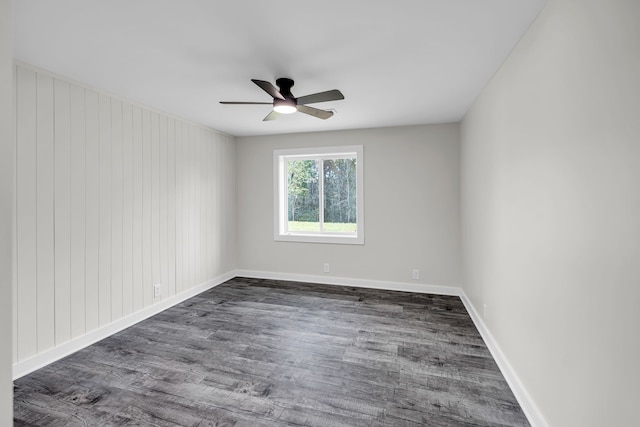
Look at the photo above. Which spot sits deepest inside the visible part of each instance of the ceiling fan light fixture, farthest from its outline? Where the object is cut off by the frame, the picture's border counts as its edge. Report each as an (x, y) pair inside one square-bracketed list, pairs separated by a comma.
[(284, 106), (285, 103)]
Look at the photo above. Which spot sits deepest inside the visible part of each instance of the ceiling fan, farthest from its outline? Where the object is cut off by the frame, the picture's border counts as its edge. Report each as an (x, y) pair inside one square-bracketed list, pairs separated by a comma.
[(285, 103)]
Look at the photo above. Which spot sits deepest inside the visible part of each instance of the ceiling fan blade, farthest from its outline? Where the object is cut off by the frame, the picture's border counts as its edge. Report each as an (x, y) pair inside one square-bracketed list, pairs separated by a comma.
[(271, 116), (269, 88), (330, 95), (321, 114), (245, 103)]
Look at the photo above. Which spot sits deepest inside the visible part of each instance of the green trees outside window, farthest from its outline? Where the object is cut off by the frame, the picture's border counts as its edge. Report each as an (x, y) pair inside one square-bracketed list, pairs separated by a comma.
[(322, 185)]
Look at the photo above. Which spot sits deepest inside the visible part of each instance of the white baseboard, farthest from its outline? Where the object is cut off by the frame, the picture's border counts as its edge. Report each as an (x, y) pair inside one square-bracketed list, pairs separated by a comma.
[(40, 360), (357, 283), (527, 404)]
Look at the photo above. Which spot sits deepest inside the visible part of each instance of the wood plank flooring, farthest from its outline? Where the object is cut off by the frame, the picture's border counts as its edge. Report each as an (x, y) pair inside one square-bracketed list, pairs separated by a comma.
[(256, 352)]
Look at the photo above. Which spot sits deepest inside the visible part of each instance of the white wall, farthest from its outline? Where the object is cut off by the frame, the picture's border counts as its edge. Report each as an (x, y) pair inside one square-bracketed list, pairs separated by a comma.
[(551, 211), (112, 198), (411, 207), (6, 210)]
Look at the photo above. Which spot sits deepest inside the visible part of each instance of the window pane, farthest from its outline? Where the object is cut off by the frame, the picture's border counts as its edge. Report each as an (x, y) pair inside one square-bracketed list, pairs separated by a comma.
[(303, 199), (300, 214), (340, 210)]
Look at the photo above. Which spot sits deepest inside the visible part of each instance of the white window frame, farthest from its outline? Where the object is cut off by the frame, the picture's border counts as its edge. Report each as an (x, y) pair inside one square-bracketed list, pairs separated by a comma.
[(281, 200)]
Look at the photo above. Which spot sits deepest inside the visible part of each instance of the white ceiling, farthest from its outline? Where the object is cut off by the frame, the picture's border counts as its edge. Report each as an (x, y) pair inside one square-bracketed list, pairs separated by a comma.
[(400, 62)]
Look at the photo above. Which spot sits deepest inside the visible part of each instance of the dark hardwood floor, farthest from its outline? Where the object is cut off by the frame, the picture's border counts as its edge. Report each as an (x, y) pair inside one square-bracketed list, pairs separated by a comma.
[(271, 353)]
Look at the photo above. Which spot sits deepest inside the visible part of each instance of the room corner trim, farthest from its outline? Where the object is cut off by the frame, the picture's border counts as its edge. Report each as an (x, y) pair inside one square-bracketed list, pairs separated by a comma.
[(533, 414), (40, 360)]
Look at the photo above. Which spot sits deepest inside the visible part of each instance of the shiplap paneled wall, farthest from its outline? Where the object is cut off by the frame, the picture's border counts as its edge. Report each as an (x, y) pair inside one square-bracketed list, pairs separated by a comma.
[(111, 198)]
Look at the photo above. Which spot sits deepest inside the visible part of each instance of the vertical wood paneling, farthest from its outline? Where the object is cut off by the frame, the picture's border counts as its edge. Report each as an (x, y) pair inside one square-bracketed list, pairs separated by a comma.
[(179, 208), (193, 164), (45, 209), (215, 233), (221, 197), (187, 255), (206, 191), (127, 209), (8, 269), (137, 210), (116, 209), (200, 260), (185, 207), (14, 243), (26, 216), (163, 217), (171, 203), (221, 187), (110, 199), (203, 205), (155, 198), (196, 205), (77, 211), (230, 233), (147, 267), (193, 213), (230, 210), (210, 204), (105, 210), (62, 212), (187, 211), (188, 168), (92, 221), (207, 195)]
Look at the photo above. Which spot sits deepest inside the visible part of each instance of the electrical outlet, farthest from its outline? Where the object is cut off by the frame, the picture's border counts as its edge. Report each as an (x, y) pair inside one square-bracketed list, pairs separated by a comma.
[(157, 290), (415, 275), (326, 267)]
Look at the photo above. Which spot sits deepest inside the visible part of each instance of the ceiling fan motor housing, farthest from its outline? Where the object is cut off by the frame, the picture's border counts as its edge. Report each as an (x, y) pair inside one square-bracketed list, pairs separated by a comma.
[(285, 85)]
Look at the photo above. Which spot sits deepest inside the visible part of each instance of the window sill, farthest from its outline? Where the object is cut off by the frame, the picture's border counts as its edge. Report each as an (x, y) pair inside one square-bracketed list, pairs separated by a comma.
[(325, 238)]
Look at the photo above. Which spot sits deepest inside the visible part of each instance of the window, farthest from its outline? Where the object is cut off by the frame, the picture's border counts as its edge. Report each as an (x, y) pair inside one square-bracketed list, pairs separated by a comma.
[(318, 195)]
